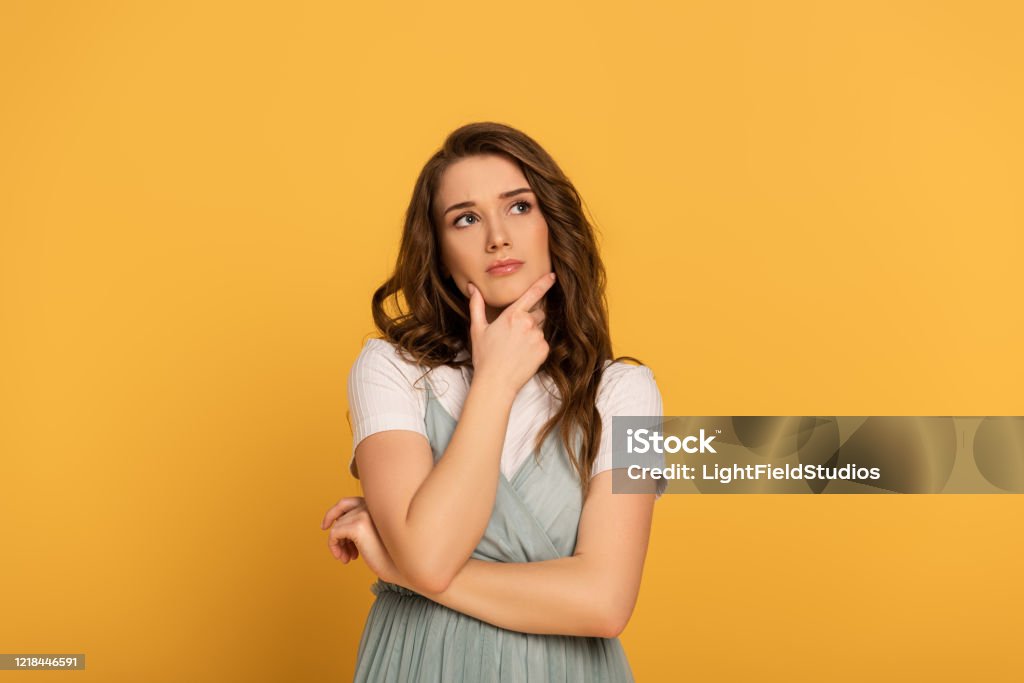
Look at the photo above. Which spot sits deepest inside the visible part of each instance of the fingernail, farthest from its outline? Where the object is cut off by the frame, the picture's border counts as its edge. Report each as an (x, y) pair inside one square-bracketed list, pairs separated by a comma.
[(471, 288), (552, 276)]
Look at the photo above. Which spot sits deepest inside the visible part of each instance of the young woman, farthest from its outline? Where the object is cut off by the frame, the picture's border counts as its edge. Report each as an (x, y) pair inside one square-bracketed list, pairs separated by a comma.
[(482, 434)]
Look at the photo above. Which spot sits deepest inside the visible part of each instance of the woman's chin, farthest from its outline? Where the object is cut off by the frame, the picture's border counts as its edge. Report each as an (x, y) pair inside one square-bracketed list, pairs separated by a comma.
[(507, 289), (500, 297), (500, 303)]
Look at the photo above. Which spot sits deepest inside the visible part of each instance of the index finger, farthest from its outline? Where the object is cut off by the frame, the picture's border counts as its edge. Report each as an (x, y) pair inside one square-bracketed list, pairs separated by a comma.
[(340, 508), (477, 310), (534, 294)]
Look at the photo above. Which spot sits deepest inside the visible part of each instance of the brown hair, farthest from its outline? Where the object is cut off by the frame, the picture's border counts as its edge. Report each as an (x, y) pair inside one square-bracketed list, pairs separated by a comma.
[(434, 327)]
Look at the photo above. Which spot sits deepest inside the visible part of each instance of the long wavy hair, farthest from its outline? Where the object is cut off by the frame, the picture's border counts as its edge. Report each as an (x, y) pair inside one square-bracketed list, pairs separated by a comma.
[(430, 317)]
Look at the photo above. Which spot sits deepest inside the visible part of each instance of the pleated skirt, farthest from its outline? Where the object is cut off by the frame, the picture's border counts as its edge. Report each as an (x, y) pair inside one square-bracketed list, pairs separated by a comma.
[(411, 639)]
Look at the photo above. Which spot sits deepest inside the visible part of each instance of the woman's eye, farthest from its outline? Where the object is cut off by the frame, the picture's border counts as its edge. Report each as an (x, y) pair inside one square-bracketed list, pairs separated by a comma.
[(527, 206)]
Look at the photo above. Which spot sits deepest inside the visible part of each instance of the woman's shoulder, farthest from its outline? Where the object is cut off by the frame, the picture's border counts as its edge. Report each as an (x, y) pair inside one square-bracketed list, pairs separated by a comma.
[(615, 371), (380, 356), (378, 348), (384, 356), (622, 383)]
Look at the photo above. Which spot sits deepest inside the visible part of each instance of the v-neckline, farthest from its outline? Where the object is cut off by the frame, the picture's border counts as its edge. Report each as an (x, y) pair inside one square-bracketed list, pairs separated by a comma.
[(509, 481)]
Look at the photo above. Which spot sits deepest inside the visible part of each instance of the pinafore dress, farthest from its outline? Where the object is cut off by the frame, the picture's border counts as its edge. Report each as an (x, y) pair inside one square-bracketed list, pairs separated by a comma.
[(411, 639)]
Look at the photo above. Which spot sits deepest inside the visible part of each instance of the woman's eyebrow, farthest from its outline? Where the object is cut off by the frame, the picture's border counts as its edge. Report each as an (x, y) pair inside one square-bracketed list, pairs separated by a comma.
[(503, 195)]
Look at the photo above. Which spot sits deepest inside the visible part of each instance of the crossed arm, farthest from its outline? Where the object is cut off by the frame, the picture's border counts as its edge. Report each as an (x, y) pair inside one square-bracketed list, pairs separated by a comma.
[(591, 593)]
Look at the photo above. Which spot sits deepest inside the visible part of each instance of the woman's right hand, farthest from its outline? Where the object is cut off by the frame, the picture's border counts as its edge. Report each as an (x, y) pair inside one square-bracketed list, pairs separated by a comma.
[(511, 349)]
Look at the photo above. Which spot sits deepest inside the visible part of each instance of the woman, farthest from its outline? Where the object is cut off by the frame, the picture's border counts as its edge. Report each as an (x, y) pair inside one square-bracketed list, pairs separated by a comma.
[(501, 552)]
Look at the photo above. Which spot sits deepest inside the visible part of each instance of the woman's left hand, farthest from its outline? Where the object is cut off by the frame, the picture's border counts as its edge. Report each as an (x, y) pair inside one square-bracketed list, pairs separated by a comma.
[(352, 533)]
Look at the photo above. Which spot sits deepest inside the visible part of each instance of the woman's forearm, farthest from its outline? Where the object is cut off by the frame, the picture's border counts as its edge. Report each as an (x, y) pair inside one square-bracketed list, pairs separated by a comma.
[(566, 596), (451, 508)]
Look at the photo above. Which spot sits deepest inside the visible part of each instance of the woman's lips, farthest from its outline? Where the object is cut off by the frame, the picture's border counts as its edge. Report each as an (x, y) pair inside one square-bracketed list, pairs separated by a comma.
[(505, 270)]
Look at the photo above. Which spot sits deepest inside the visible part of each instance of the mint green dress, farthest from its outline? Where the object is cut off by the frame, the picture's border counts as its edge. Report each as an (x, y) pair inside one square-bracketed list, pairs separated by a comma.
[(411, 639)]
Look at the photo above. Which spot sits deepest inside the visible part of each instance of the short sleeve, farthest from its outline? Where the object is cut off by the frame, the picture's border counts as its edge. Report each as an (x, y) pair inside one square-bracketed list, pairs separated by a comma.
[(382, 394), (626, 390)]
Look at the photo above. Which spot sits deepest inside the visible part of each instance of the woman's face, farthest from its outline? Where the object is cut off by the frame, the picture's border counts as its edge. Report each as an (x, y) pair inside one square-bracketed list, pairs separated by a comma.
[(486, 212)]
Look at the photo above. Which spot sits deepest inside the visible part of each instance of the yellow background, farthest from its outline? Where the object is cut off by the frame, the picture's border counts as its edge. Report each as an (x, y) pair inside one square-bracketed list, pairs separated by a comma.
[(806, 208)]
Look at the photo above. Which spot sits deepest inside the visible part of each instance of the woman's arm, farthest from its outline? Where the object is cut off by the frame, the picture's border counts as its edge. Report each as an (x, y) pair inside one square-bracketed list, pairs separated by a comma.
[(431, 517), (427, 528), (591, 593)]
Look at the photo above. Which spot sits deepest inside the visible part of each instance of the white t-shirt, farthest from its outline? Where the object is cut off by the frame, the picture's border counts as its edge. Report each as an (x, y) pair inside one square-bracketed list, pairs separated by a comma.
[(385, 392)]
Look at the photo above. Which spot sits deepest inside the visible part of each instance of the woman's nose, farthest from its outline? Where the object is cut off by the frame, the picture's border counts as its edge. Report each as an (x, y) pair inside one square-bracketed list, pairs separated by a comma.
[(497, 236)]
